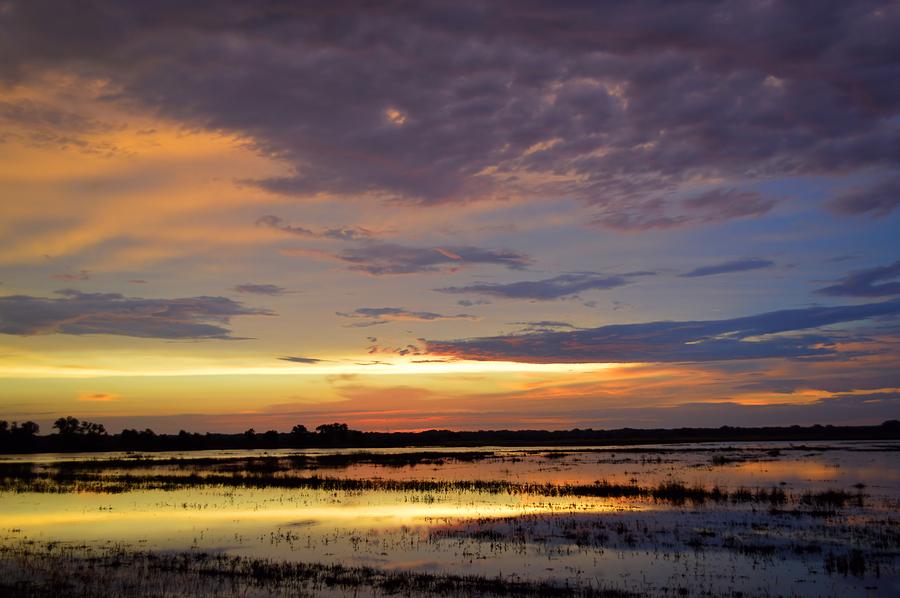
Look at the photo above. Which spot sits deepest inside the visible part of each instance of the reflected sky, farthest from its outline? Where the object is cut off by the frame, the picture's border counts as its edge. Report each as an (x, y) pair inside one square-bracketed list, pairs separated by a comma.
[(523, 534)]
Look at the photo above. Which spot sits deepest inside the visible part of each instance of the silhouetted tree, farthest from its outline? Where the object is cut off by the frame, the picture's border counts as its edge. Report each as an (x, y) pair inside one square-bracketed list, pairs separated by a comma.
[(18, 437), (25, 429), (335, 433), (270, 439), (71, 426), (332, 429), (67, 425), (133, 439)]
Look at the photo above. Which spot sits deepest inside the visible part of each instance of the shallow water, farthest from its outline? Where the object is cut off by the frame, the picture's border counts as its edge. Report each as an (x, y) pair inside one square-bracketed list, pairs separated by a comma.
[(637, 544)]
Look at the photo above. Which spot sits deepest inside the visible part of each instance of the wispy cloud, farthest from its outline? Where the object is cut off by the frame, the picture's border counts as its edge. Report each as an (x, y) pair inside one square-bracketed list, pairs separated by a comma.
[(298, 359), (259, 289), (68, 277), (716, 205), (340, 233), (871, 282), (472, 302), (742, 265), (877, 200), (98, 397), (373, 316), (563, 285), (379, 259), (544, 326)]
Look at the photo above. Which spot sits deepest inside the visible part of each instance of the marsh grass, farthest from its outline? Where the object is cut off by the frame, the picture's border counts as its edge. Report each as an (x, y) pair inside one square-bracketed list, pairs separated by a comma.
[(76, 571), (67, 479)]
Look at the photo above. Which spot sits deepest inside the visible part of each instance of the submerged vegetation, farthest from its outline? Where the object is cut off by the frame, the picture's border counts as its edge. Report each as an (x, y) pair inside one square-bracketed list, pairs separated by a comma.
[(55, 571), (26, 478)]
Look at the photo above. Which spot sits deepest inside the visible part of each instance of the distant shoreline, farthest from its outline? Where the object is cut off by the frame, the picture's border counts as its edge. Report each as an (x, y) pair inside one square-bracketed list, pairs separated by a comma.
[(339, 436)]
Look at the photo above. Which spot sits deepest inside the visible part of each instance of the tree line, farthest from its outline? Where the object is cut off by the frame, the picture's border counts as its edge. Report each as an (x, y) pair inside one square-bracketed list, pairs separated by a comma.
[(74, 435)]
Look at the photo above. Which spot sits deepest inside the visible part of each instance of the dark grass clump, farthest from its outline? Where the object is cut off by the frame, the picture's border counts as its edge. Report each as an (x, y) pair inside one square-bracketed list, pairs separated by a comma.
[(832, 498), (62, 480), (853, 563), (264, 464), (62, 571)]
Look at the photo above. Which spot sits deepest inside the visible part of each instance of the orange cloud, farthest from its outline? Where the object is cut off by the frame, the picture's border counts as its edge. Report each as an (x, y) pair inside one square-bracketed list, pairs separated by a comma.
[(98, 397)]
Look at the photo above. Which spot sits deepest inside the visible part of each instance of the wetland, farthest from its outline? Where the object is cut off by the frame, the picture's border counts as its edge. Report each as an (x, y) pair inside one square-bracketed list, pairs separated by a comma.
[(693, 519)]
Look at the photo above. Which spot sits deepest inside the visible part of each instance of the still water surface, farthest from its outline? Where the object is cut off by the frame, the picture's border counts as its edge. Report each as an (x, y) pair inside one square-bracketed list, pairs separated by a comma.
[(637, 544)]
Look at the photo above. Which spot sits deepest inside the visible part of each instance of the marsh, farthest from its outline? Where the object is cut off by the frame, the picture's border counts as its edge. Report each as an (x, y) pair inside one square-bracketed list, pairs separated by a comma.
[(698, 519)]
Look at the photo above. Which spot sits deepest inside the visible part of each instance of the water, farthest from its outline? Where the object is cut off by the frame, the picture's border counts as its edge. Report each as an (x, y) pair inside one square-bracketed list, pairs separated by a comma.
[(631, 543)]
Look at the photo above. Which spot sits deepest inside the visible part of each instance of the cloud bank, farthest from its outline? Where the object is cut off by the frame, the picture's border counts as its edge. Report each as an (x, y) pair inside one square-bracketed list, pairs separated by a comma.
[(753, 337), (611, 103)]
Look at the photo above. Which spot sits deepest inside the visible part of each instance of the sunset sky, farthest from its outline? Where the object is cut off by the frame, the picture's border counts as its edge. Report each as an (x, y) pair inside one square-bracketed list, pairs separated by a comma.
[(461, 214)]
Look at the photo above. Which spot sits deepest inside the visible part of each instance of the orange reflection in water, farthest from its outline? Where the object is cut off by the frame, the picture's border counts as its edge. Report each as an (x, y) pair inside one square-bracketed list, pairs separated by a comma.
[(168, 518)]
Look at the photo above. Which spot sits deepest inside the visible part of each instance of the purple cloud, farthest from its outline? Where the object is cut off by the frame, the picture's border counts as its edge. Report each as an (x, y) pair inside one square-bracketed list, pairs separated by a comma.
[(612, 103), (74, 312), (728, 267), (563, 285), (691, 341), (871, 282), (382, 315), (340, 233), (716, 205), (878, 200), (259, 289), (380, 259)]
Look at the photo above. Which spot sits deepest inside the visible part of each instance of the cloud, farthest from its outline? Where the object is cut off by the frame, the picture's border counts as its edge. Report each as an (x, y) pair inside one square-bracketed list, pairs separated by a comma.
[(74, 312), (544, 326), (753, 337), (341, 233), (259, 289), (870, 282), (36, 115), (725, 204), (550, 288), (296, 359), (67, 277), (472, 302), (100, 397), (383, 315), (609, 103), (380, 259), (716, 205), (40, 125), (879, 200), (727, 267)]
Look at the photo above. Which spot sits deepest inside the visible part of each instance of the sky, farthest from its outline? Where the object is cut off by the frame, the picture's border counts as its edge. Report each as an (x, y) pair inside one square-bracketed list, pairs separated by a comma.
[(456, 215)]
